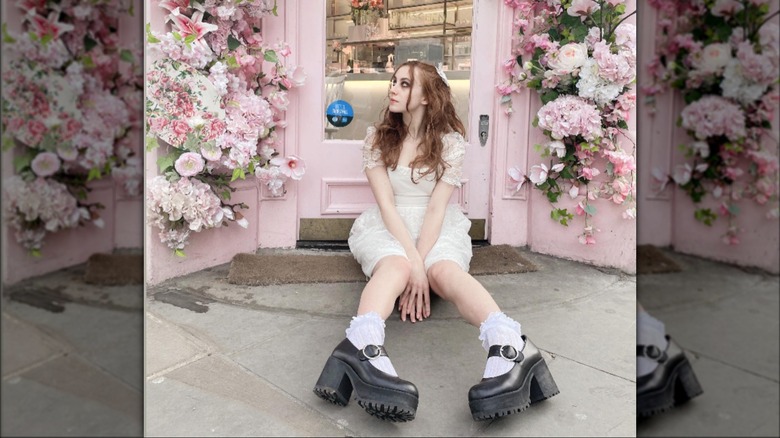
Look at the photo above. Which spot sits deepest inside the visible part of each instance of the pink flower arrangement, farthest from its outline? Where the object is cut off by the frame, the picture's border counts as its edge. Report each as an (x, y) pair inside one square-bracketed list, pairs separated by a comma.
[(204, 102), (68, 91), (723, 57), (583, 68)]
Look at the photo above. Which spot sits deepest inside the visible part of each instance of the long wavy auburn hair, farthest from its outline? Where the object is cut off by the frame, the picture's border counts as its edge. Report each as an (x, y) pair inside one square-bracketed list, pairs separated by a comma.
[(440, 118)]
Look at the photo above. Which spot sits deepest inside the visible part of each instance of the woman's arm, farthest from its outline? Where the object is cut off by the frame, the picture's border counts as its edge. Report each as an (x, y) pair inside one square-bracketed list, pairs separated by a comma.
[(383, 192), (434, 217)]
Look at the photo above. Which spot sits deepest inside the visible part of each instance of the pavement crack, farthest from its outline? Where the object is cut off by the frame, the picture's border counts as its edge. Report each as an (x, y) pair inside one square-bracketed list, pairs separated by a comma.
[(557, 355), (744, 370)]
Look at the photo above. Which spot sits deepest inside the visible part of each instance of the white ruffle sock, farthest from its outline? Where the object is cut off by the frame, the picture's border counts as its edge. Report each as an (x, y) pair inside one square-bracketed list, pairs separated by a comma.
[(369, 329), (499, 329), (649, 331)]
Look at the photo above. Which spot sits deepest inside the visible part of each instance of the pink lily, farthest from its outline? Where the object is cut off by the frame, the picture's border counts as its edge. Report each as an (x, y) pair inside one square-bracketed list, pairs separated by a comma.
[(50, 26), (192, 26), (173, 4)]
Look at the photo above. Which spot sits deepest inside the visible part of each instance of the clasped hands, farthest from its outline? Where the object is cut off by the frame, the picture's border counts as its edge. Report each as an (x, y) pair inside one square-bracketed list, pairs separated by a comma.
[(415, 301)]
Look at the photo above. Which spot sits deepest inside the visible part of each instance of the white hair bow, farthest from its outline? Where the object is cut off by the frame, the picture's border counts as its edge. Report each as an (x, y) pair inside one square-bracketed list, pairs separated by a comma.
[(441, 73)]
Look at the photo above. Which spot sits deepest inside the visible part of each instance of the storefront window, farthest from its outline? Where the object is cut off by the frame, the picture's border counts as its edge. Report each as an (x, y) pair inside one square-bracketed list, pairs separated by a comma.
[(364, 45)]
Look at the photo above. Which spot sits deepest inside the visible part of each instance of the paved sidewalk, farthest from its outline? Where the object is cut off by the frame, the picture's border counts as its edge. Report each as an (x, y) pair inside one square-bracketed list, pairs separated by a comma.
[(726, 318), (71, 358), (227, 360)]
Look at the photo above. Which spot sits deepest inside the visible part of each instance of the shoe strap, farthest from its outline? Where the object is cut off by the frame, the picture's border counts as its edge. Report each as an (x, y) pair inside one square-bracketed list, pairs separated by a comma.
[(507, 352), (371, 351), (651, 352)]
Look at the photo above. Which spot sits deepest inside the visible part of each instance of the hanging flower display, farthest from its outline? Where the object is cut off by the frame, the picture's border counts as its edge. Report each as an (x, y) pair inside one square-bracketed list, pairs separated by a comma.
[(724, 57), (216, 98), (70, 98), (580, 56)]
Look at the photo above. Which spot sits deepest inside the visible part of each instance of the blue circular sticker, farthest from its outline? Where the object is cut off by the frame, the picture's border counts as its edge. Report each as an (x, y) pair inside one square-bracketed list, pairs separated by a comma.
[(339, 113)]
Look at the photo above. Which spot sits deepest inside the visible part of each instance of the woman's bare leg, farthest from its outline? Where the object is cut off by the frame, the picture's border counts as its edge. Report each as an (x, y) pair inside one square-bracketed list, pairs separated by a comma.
[(453, 284), (387, 282)]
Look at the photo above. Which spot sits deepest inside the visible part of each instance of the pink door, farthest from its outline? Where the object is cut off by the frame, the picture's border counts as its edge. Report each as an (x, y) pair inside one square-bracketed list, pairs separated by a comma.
[(334, 189)]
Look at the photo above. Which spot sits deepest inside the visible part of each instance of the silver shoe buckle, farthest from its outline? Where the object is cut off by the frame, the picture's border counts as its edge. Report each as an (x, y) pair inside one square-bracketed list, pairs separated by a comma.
[(376, 349), (510, 349)]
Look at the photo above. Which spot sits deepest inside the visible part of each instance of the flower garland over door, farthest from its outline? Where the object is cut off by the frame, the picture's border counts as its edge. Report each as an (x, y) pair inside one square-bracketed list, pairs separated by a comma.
[(580, 56), (215, 99), (71, 95), (724, 57)]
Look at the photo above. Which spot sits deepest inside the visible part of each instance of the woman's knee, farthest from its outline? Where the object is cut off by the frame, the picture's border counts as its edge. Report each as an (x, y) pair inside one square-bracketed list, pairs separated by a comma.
[(439, 273), (399, 266)]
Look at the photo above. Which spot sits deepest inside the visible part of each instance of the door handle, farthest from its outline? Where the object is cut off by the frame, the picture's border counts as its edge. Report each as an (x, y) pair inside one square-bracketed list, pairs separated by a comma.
[(484, 124)]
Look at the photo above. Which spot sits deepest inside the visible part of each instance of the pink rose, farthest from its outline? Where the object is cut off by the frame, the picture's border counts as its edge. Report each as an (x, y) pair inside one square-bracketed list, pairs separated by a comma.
[(45, 164), (189, 164)]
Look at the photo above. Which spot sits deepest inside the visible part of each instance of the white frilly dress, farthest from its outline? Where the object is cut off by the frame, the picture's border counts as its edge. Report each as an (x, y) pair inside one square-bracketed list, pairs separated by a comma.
[(370, 241)]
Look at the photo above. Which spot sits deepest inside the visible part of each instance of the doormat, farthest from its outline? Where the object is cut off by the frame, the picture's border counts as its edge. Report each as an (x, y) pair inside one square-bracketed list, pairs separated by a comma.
[(651, 260), (270, 269), (114, 269)]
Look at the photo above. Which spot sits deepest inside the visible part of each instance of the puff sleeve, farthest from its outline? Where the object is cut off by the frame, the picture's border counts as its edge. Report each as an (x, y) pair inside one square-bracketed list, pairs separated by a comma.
[(453, 154), (371, 157)]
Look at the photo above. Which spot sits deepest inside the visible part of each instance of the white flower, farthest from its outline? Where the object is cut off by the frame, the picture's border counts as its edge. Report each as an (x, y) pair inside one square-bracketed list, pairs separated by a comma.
[(713, 57), (702, 148), (557, 147), (717, 192), (538, 174), (574, 191), (682, 174), (568, 58), (558, 167)]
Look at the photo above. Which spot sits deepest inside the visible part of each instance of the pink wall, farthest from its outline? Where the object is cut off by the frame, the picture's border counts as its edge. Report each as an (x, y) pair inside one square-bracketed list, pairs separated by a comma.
[(122, 215), (524, 218), (666, 219)]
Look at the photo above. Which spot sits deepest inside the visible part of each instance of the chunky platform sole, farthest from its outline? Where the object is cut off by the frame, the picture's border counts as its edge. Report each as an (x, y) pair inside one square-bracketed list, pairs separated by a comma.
[(537, 386), (681, 386), (338, 380)]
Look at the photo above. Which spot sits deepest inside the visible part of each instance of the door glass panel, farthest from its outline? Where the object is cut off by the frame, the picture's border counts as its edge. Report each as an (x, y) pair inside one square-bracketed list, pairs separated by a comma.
[(364, 45)]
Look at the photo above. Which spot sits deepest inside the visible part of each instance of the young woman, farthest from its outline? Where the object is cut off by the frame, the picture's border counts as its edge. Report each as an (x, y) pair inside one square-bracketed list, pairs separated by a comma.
[(412, 242)]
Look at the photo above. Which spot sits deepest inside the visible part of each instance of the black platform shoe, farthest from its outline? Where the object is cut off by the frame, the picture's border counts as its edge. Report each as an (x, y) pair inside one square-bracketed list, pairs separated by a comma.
[(529, 381), (670, 384), (380, 394)]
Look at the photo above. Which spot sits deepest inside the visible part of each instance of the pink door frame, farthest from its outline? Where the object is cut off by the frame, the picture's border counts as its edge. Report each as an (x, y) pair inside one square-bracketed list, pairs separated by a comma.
[(123, 214), (334, 185)]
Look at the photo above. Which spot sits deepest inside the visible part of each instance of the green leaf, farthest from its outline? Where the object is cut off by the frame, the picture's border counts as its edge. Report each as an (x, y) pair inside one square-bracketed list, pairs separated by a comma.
[(149, 37), (705, 215), (87, 61), (233, 43), (46, 39), (270, 56), (179, 253), (127, 56), (23, 161), (89, 43), (733, 209), (164, 163), (506, 99), (7, 38), (622, 124), (231, 62), (274, 10), (176, 35), (590, 209), (151, 143), (35, 252), (94, 173), (8, 143), (238, 173), (549, 96), (131, 11), (190, 39)]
